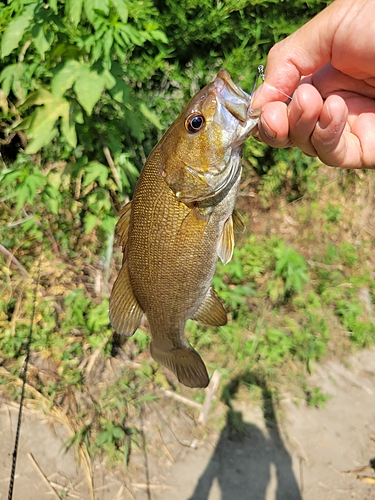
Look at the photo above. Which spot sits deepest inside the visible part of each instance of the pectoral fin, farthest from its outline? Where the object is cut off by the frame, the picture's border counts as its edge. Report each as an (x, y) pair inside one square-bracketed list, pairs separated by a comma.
[(211, 312), (122, 226), (125, 313), (226, 245), (184, 362)]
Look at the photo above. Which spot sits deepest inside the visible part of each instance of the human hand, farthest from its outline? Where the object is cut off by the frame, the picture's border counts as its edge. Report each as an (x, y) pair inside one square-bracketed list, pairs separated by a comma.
[(328, 68)]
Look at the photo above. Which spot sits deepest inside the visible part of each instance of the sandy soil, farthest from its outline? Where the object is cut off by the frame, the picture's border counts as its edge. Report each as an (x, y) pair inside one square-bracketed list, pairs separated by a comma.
[(311, 454)]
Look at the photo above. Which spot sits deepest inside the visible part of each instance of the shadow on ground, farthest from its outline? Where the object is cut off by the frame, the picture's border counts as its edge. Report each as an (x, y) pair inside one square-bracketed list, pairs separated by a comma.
[(249, 462)]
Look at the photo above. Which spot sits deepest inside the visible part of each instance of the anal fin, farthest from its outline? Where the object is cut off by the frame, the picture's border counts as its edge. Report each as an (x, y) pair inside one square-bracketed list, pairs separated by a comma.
[(125, 313), (211, 311)]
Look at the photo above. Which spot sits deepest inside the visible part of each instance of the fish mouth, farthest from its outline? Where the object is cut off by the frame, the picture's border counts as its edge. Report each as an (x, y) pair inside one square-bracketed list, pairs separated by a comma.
[(235, 100), (234, 110)]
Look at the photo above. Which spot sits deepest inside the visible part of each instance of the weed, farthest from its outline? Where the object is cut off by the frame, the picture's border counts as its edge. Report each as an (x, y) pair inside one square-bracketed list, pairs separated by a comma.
[(316, 398)]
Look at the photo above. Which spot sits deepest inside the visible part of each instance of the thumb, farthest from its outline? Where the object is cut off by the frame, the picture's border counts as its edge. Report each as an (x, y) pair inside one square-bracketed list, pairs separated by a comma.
[(300, 54)]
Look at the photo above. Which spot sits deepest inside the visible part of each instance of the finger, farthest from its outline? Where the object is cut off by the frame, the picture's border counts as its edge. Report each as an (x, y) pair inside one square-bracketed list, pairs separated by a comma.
[(273, 127), (304, 112), (328, 138), (363, 128), (328, 80)]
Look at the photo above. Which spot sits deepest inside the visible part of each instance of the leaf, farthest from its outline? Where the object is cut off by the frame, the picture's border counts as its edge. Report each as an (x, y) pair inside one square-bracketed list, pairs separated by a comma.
[(118, 432), (26, 192), (95, 170), (90, 222), (53, 5), (131, 35), (89, 87), (103, 437), (159, 35), (108, 223), (97, 50), (150, 115), (36, 144), (121, 9), (51, 199), (108, 42), (42, 129), (120, 91), (74, 8), (68, 128), (9, 177), (42, 43), (66, 76), (22, 194), (6, 77), (23, 124), (41, 96), (15, 30), (91, 6), (110, 80), (19, 84)]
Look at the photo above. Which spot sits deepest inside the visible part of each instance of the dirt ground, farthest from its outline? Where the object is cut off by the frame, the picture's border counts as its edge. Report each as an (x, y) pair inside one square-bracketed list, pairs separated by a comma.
[(310, 454)]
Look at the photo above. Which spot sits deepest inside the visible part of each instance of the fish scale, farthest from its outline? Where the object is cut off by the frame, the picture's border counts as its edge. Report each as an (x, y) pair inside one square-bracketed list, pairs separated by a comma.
[(180, 221)]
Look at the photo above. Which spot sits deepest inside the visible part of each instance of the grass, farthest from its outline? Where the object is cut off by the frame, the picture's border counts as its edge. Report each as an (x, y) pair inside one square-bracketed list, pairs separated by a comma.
[(299, 288)]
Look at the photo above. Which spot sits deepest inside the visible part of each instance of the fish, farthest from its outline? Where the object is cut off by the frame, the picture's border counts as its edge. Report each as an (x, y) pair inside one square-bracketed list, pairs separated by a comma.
[(180, 220)]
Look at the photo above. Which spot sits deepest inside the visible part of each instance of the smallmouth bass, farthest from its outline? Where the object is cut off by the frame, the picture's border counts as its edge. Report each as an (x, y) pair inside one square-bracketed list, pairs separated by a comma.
[(181, 219)]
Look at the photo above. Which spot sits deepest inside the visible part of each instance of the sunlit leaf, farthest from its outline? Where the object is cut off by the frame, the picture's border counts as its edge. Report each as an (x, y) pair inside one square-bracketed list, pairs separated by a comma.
[(41, 96), (91, 6), (91, 221), (14, 32), (41, 41), (66, 76), (122, 9), (150, 115), (42, 129), (93, 171), (159, 36), (89, 87), (6, 77), (68, 128), (36, 144), (74, 8)]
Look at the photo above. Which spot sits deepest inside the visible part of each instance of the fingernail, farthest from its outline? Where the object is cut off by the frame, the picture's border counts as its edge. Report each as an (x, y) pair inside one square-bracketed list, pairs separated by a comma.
[(271, 134), (255, 96), (325, 118)]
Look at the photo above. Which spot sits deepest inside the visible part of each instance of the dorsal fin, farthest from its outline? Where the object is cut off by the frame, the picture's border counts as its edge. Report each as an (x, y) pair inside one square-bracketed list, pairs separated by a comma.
[(211, 311), (122, 226)]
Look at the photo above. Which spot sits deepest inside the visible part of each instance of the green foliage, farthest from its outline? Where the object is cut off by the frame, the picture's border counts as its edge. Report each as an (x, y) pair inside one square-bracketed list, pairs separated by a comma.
[(288, 172), (351, 314), (317, 399), (86, 89), (67, 81), (289, 274)]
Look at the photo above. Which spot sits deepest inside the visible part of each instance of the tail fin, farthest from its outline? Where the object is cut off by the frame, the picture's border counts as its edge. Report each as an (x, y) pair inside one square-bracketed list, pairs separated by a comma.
[(184, 362)]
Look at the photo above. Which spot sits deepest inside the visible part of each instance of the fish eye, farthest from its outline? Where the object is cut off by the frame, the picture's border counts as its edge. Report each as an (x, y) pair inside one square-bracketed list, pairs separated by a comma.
[(194, 123)]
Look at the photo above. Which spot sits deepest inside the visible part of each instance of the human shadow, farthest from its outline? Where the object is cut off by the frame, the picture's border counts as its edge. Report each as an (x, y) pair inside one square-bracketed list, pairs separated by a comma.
[(249, 463)]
